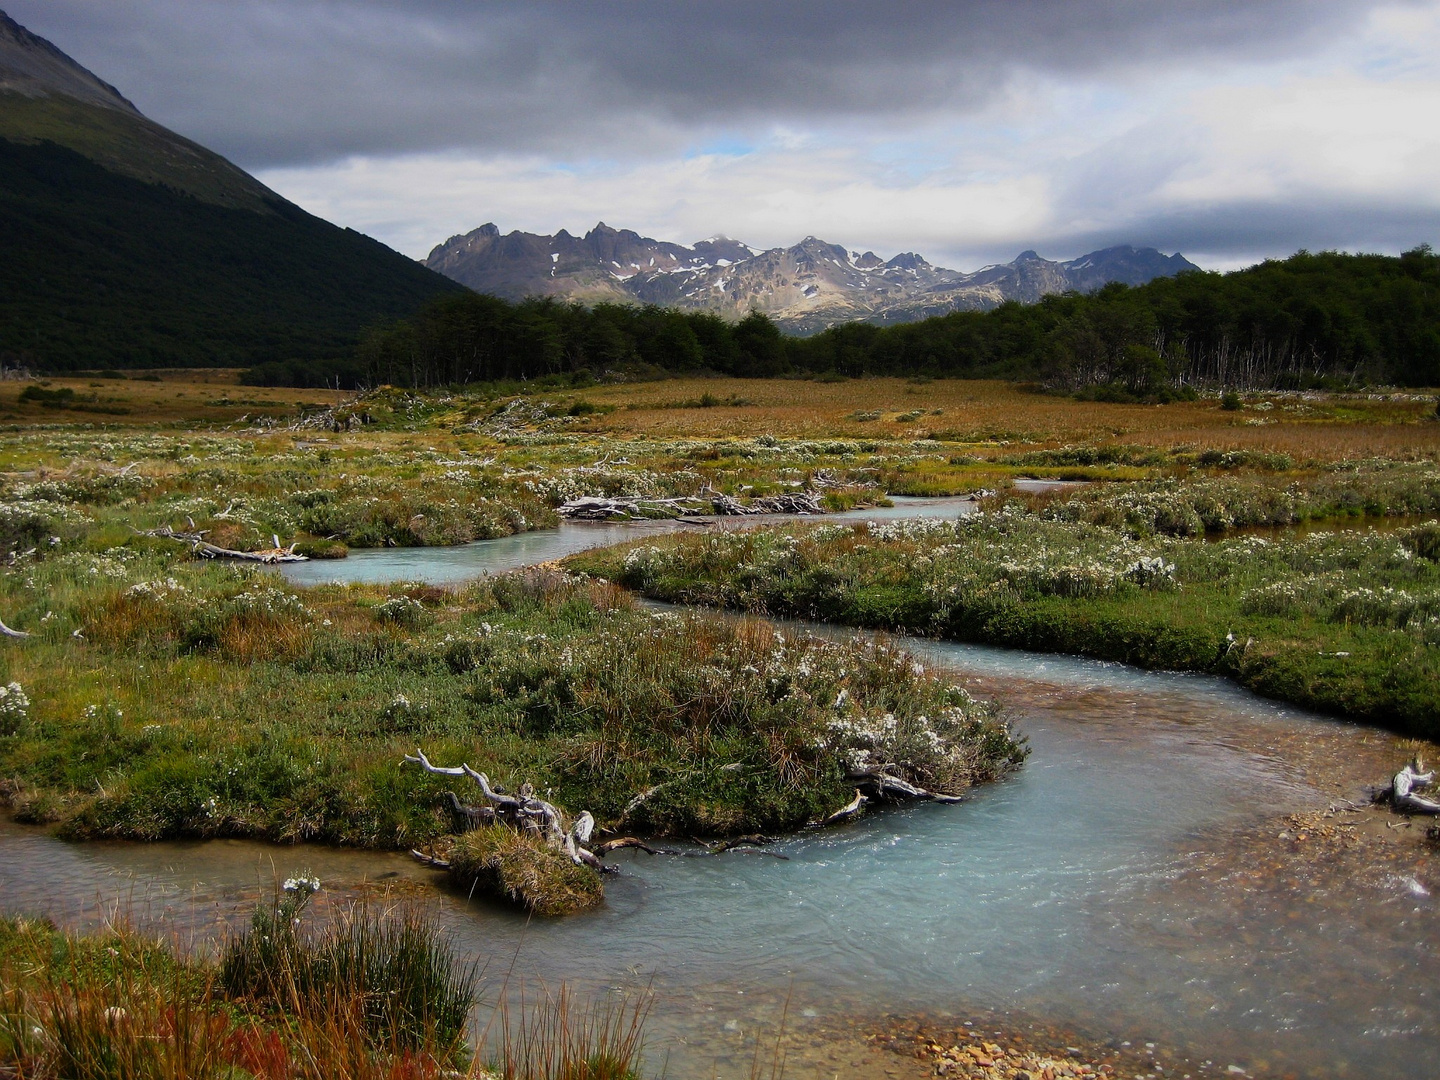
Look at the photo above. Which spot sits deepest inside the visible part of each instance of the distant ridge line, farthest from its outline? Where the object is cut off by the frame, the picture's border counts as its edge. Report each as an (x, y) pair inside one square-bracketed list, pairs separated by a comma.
[(804, 288)]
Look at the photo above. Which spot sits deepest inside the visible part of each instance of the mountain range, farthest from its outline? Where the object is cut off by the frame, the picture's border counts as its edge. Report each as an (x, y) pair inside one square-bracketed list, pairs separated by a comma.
[(127, 245), (804, 288)]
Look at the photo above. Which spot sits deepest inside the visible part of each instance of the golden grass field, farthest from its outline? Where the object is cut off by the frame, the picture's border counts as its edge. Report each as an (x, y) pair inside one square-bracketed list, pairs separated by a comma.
[(1311, 426), (185, 396), (972, 411)]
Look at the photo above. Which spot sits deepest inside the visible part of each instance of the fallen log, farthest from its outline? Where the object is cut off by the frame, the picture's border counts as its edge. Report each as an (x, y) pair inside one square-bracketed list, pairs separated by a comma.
[(636, 507), (473, 817), (630, 507), (630, 842), (754, 841), (271, 555), (798, 502), (430, 860), (882, 784)]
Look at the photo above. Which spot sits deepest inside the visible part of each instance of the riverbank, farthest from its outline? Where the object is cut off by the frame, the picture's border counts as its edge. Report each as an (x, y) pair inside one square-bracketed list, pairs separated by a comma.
[(1132, 878), (1344, 622)]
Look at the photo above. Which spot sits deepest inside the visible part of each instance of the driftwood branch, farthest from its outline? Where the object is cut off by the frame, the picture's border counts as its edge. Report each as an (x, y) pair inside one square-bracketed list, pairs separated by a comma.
[(429, 860), (848, 811), (206, 550), (630, 842), (754, 840), (881, 784), (638, 507), (521, 811), (630, 507), (1403, 786), (472, 816)]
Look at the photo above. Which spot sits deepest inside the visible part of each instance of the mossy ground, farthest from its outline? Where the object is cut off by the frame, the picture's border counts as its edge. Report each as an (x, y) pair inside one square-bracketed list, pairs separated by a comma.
[(202, 700)]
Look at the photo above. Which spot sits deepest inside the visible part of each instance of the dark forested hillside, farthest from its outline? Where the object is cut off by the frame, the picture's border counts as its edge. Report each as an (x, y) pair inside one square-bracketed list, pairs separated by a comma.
[(1308, 320), (103, 270)]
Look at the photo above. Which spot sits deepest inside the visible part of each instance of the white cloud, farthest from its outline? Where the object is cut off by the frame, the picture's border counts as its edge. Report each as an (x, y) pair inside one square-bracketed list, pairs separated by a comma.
[(768, 197), (1245, 159)]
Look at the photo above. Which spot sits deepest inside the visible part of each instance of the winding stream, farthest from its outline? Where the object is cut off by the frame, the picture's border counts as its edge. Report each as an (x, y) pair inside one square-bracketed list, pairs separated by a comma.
[(449, 565), (1129, 879)]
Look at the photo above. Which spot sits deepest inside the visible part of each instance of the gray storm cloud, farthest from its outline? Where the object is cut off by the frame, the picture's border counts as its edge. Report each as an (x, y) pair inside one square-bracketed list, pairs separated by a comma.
[(273, 83)]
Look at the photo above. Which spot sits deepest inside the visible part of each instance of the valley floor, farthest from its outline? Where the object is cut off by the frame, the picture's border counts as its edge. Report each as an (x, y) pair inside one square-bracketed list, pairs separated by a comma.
[(160, 695)]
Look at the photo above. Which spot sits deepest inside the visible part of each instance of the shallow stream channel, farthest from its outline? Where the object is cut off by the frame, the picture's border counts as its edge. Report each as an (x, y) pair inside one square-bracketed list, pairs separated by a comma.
[(1161, 870)]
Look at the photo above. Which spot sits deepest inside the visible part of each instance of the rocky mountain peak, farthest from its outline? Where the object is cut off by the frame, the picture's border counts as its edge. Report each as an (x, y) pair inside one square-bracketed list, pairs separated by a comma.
[(908, 260)]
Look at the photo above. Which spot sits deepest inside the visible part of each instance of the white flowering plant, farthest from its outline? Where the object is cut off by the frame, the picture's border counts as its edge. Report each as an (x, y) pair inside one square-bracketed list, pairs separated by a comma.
[(14, 708)]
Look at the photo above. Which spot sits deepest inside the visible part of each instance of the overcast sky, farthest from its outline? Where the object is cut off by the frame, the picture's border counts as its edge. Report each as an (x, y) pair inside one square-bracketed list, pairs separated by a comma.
[(966, 131)]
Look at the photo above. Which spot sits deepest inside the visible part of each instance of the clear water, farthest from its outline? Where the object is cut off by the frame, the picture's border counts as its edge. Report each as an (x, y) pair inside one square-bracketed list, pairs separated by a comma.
[(1128, 880), (464, 562)]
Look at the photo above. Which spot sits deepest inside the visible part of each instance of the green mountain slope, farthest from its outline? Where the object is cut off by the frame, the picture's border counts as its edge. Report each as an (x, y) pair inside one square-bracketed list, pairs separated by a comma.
[(102, 270), (123, 244)]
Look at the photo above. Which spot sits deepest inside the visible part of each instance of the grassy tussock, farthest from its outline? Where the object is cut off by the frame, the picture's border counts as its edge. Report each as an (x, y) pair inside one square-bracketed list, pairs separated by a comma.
[(390, 972), (288, 1003), (522, 868)]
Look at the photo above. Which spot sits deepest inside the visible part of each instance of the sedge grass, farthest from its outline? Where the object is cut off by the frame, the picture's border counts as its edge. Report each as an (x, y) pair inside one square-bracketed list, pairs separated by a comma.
[(559, 1035)]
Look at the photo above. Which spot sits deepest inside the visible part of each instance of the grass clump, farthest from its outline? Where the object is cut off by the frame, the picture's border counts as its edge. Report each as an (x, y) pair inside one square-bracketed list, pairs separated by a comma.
[(563, 1037), (398, 979), (365, 999), (524, 869)]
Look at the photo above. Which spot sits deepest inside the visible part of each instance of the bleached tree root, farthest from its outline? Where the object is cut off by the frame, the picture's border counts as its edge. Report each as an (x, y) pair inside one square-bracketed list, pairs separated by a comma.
[(630, 842), (522, 811), (429, 860), (638, 508), (754, 840), (850, 810), (1402, 790), (877, 783)]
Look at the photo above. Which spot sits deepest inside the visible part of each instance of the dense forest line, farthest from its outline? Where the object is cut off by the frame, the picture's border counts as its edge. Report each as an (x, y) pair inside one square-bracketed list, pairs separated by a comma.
[(1324, 319), (101, 270)]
